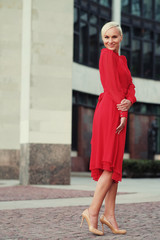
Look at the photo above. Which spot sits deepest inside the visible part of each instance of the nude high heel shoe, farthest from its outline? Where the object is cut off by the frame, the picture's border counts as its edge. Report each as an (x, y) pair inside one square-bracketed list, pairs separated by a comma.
[(114, 230), (93, 230)]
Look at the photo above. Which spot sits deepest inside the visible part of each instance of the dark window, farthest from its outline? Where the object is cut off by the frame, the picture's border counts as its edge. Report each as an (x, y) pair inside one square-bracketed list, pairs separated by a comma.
[(125, 6), (126, 37), (83, 46), (147, 55), (89, 17), (136, 7), (76, 47), (157, 12), (136, 58), (157, 56), (84, 99), (106, 3), (157, 67), (93, 19), (147, 9), (93, 46), (84, 3), (140, 21), (145, 109), (141, 38)]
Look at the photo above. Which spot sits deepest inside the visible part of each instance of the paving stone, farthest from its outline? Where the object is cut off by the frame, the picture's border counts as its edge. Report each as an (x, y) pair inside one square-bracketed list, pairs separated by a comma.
[(141, 220), (16, 193)]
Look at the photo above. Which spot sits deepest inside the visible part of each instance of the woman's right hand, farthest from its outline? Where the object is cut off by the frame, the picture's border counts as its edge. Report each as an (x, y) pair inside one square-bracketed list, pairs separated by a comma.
[(121, 125), (124, 105)]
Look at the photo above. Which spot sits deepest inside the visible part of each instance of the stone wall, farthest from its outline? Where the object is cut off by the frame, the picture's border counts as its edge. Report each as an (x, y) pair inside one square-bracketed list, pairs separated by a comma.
[(46, 99), (10, 75)]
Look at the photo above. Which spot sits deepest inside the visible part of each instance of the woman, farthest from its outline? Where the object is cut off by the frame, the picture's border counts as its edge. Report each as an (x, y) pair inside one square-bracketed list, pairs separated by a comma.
[(109, 130)]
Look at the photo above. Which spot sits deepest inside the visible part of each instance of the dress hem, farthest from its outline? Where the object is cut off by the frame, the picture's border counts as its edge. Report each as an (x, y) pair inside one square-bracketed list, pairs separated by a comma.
[(96, 173)]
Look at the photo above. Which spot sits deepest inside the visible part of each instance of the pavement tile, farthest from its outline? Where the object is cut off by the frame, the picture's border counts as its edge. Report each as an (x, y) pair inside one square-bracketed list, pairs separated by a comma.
[(16, 193), (141, 220)]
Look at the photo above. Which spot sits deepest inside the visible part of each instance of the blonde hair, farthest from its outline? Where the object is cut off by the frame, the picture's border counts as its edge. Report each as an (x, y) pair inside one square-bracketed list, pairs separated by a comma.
[(109, 25)]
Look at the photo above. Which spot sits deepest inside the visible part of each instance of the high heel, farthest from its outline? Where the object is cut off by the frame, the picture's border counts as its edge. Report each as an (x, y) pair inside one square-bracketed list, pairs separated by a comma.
[(103, 220), (85, 215)]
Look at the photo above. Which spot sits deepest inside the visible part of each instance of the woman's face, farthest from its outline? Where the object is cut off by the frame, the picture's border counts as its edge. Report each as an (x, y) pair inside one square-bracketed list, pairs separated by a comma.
[(112, 39)]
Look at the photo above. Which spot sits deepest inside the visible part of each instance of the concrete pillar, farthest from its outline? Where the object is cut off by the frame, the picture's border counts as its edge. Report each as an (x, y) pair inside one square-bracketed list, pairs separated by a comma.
[(116, 11), (46, 92), (10, 72)]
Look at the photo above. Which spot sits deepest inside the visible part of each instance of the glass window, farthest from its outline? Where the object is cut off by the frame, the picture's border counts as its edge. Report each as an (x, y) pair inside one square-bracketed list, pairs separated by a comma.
[(83, 48), (147, 34), (136, 7), (93, 7), (157, 67), (137, 32), (76, 47), (125, 6), (76, 19), (93, 46), (158, 134), (143, 109), (126, 37), (147, 59), (136, 58), (105, 3), (127, 55), (89, 17), (125, 19), (157, 11), (84, 3), (93, 19), (105, 13), (141, 32), (157, 57), (157, 45), (147, 8), (102, 22), (84, 16)]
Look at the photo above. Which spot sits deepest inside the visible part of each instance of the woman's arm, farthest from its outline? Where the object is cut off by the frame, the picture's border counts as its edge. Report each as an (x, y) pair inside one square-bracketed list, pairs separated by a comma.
[(131, 93), (129, 100), (109, 71)]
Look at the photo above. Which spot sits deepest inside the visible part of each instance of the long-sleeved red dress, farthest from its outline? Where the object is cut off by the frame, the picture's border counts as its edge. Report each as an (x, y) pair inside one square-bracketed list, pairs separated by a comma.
[(107, 146)]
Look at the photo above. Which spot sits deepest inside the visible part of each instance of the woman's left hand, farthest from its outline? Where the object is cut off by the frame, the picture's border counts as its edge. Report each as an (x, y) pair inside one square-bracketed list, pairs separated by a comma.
[(121, 125), (124, 105)]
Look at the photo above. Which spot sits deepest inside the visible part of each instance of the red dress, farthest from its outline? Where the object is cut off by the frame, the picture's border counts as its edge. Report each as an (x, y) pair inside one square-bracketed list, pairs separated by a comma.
[(107, 147)]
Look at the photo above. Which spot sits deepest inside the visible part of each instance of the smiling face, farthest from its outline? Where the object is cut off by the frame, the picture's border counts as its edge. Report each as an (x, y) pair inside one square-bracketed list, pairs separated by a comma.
[(112, 39)]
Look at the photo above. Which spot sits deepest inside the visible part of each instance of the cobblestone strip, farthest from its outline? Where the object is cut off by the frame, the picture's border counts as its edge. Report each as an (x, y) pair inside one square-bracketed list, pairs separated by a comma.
[(142, 221), (16, 193)]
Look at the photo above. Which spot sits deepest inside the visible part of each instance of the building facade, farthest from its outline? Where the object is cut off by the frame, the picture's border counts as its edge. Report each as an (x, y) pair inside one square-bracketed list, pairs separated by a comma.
[(140, 21), (50, 83), (36, 90)]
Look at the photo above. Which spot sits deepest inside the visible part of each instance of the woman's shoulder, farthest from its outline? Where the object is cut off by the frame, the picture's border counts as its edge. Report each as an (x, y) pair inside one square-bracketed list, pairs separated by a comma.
[(123, 58), (109, 53), (106, 50)]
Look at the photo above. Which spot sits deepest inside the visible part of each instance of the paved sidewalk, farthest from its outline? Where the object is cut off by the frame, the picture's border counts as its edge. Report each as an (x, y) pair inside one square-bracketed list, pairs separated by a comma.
[(54, 212)]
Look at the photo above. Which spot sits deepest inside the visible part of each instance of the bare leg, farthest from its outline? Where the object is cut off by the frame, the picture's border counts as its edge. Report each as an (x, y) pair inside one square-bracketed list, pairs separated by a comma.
[(103, 185), (110, 204)]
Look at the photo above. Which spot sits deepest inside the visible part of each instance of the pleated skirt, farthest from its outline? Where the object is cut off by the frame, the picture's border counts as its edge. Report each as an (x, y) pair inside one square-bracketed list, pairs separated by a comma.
[(107, 146)]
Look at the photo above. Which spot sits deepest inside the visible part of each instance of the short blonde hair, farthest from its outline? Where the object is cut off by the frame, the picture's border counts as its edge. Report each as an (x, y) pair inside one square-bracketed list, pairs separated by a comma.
[(109, 25)]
